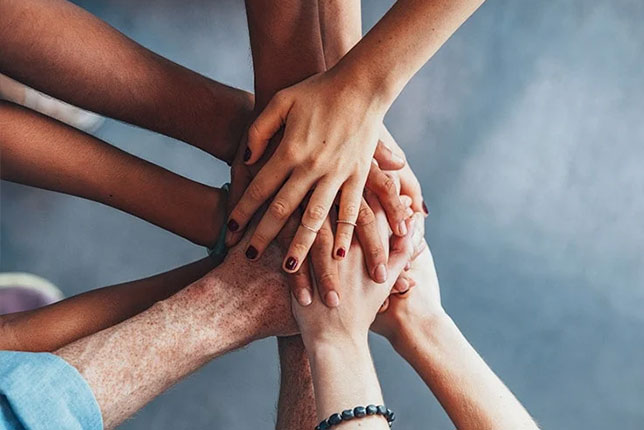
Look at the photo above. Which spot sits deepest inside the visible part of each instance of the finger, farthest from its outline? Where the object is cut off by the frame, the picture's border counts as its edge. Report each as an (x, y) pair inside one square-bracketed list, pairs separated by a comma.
[(410, 186), (278, 212), (400, 252), (384, 306), (387, 160), (324, 266), (267, 181), (240, 177), (371, 243), (265, 126), (316, 212), (417, 235), (385, 188), (301, 285), (402, 284), (350, 200)]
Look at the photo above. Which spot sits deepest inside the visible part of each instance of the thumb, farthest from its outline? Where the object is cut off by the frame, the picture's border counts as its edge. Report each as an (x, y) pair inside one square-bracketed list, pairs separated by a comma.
[(386, 159), (265, 126)]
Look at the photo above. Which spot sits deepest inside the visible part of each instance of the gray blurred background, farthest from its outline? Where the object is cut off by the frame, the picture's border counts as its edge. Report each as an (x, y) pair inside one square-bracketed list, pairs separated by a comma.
[(526, 131)]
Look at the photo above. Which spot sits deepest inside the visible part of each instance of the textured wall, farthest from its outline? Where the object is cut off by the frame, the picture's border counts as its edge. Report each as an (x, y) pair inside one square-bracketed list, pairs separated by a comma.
[(526, 130)]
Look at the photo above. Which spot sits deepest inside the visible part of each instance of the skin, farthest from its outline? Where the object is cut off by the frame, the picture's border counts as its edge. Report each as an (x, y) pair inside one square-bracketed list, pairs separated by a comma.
[(421, 332), (286, 49), (44, 153), (225, 310), (331, 120), (52, 327), (145, 89), (331, 335)]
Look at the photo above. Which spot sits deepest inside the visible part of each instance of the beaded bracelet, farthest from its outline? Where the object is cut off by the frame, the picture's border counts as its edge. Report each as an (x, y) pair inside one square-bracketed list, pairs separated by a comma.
[(357, 412)]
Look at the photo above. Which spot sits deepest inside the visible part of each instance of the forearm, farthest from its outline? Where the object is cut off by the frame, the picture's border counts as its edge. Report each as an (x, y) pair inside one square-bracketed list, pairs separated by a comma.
[(56, 325), (285, 42), (343, 378), (127, 365), (108, 73), (41, 152), (340, 26), (296, 405), (472, 395), (407, 36)]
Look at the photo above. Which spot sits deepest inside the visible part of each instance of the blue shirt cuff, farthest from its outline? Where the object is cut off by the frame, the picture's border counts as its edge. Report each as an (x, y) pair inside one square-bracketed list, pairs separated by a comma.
[(42, 391)]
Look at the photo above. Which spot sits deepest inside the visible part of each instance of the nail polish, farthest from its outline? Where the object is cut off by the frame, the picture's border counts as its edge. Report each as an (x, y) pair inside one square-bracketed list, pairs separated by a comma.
[(251, 252), (425, 209), (247, 154), (341, 252), (233, 225), (291, 262)]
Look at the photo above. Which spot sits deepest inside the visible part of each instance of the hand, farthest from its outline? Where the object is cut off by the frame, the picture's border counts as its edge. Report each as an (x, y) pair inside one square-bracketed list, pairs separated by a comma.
[(260, 288), (402, 313), (361, 297), (409, 185), (329, 140)]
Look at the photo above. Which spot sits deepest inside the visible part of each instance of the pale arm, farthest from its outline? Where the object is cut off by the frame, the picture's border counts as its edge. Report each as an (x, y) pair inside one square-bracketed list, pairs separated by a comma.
[(56, 325), (129, 364)]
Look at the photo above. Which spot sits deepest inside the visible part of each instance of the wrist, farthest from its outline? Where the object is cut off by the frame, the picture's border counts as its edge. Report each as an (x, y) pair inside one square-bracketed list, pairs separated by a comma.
[(364, 82), (415, 335)]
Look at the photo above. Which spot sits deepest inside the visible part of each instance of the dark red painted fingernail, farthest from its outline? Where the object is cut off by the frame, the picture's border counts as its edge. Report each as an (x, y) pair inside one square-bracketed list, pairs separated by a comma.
[(247, 154), (291, 262), (251, 253), (425, 209), (404, 292), (233, 225), (341, 252)]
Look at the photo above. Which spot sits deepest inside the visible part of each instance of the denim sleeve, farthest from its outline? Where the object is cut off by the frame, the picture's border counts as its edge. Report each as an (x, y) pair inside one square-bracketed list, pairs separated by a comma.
[(41, 391)]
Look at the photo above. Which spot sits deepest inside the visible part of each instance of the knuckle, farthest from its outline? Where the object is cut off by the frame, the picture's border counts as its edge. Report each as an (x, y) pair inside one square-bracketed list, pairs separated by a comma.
[(345, 235), (299, 248), (388, 185), (316, 212), (255, 191), (279, 210), (289, 153), (326, 281), (350, 211), (260, 238), (365, 216), (375, 253)]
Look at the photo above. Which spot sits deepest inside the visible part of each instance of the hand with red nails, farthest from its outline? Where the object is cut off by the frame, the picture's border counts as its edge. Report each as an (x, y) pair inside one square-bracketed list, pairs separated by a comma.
[(330, 138)]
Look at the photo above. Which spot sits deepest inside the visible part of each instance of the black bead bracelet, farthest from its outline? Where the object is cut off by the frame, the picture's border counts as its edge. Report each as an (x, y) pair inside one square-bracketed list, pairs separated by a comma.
[(357, 412)]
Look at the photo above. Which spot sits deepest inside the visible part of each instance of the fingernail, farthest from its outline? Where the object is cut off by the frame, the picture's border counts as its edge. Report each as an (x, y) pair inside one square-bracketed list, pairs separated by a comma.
[(409, 212), (380, 273), (304, 297), (251, 253), (404, 285), (247, 154), (233, 225), (340, 252), (404, 292), (425, 208), (402, 228), (332, 299), (397, 157), (291, 262), (407, 266)]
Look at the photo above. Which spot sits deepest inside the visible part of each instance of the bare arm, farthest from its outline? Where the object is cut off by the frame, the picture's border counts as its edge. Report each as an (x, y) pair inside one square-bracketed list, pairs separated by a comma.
[(341, 28), (129, 364), (421, 332), (56, 325), (41, 152), (296, 405), (75, 57)]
